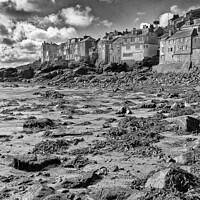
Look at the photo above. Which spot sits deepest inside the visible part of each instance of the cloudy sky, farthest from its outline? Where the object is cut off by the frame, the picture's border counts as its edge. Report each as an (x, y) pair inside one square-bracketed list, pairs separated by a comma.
[(25, 24)]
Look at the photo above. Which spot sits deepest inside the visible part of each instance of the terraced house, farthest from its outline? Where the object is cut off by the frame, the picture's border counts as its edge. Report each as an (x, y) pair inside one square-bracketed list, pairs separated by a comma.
[(138, 45), (180, 47)]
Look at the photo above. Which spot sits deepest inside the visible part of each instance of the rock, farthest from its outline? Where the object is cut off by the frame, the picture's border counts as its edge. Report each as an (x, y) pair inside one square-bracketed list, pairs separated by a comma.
[(113, 193), (38, 123), (68, 196), (124, 110), (102, 171), (33, 163), (82, 181), (52, 94), (158, 179), (148, 104), (82, 70), (137, 195), (184, 158), (115, 168), (38, 192), (50, 146), (78, 162), (187, 123), (27, 73), (173, 178)]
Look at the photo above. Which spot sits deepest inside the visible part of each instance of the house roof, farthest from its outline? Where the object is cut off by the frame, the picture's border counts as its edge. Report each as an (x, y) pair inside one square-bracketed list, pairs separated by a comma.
[(118, 40), (164, 36), (182, 34)]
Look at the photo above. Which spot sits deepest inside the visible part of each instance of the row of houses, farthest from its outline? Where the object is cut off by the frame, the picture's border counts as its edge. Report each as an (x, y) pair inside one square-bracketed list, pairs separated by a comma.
[(126, 46), (178, 42)]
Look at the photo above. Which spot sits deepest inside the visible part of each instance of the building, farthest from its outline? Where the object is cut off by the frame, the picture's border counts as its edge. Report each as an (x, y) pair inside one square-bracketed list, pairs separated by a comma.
[(82, 48), (93, 52), (103, 50), (50, 52), (196, 50), (115, 50), (178, 47), (138, 45)]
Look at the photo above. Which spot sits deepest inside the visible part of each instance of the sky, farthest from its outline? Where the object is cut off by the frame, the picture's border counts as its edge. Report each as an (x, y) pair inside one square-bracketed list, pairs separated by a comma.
[(25, 24)]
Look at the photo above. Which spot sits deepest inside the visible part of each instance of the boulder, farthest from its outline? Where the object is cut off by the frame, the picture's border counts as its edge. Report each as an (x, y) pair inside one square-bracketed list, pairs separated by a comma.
[(124, 110), (173, 178), (158, 180), (187, 123), (184, 158), (33, 163), (82, 181), (26, 73), (38, 123), (38, 192)]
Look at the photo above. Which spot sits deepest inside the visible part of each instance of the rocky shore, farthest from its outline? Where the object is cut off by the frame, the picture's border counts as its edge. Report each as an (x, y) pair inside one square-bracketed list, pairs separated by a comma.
[(72, 131)]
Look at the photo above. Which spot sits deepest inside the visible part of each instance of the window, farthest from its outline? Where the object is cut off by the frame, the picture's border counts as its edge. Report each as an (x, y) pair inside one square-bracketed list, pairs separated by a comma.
[(125, 40), (140, 39), (128, 47), (137, 46), (132, 39), (183, 48), (162, 49), (127, 54)]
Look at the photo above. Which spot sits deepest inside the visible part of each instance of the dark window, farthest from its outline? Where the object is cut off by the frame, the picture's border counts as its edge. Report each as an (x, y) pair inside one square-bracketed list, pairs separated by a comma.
[(127, 54), (128, 47)]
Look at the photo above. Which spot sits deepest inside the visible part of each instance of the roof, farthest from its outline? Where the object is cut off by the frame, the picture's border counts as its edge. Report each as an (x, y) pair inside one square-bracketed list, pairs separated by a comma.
[(164, 36), (118, 40), (182, 34)]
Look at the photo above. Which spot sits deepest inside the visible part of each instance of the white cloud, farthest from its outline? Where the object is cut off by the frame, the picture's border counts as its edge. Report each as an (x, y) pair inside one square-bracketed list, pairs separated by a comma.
[(106, 23), (164, 19), (53, 34), (137, 19), (26, 5), (77, 16)]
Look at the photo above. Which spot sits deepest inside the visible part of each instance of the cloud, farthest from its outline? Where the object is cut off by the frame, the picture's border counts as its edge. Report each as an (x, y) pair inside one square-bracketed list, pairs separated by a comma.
[(77, 16), (53, 34), (141, 13), (106, 23), (137, 19), (164, 19), (144, 24), (24, 5)]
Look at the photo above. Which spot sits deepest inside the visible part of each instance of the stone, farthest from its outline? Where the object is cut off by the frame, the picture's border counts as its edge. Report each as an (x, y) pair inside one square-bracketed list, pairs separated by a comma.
[(184, 158), (82, 181), (124, 110), (137, 195), (173, 178), (33, 163), (187, 123), (38, 192), (158, 179), (38, 123)]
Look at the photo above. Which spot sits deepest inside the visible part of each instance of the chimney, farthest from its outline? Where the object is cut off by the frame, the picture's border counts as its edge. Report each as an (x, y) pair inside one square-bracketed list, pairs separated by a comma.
[(126, 30), (170, 32), (134, 31), (115, 32)]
